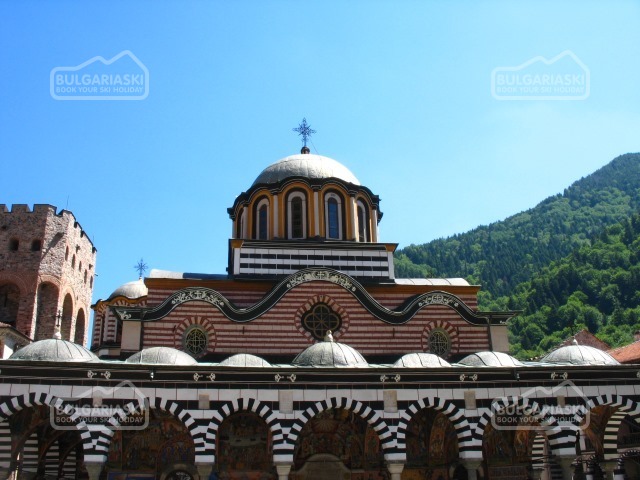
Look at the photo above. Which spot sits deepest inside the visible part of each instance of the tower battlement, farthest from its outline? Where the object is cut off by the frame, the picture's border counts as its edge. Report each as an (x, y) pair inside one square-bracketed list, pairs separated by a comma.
[(43, 211)]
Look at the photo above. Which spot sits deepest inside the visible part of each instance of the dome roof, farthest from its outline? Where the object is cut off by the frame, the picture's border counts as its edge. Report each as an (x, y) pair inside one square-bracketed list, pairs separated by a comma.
[(135, 289), (579, 355), (490, 359), (421, 360), (330, 354), (54, 350), (161, 356), (244, 360), (305, 165)]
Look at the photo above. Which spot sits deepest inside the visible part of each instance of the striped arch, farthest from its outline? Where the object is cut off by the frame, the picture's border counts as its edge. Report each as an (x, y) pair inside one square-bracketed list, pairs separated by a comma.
[(244, 404), (453, 413), (623, 407), (135, 407), (204, 322), (441, 325), (16, 404), (558, 438), (373, 418), (336, 307), (623, 456)]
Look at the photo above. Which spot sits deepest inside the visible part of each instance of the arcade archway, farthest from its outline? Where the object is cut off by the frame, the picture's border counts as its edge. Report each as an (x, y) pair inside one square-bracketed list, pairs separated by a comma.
[(245, 448), (508, 445), (432, 447), (164, 446), (40, 450), (338, 442)]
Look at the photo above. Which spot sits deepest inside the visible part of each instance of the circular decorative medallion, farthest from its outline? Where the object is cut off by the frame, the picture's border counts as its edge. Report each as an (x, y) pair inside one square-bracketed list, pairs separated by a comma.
[(439, 342), (320, 319), (195, 340)]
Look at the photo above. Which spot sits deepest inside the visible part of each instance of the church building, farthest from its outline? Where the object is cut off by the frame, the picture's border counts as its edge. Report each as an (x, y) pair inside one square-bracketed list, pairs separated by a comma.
[(309, 359)]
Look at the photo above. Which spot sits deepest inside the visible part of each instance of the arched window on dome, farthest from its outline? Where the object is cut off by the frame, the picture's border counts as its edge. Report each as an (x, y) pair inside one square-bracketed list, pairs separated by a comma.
[(239, 224), (262, 220), (363, 223), (333, 216), (296, 215)]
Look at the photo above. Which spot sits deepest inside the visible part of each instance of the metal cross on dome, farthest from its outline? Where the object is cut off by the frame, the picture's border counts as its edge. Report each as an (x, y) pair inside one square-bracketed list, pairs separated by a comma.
[(305, 131), (141, 267)]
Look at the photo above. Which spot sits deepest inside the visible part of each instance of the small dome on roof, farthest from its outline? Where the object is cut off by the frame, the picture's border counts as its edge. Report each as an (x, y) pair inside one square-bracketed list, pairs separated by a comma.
[(490, 359), (54, 350), (421, 360), (161, 356), (244, 360), (131, 290), (305, 165), (330, 354), (579, 355)]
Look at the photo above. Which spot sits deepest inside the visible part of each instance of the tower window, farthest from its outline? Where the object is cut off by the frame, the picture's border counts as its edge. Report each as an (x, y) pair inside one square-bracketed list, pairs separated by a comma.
[(297, 216), (239, 225), (263, 222), (333, 216), (14, 244), (73, 262), (66, 254), (363, 223), (36, 246)]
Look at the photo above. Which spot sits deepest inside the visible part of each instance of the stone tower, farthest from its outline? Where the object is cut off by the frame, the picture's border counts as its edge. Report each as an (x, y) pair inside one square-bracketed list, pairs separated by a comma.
[(47, 269)]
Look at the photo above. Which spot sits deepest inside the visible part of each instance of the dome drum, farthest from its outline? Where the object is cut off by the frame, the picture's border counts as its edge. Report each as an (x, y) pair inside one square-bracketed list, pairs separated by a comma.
[(306, 196)]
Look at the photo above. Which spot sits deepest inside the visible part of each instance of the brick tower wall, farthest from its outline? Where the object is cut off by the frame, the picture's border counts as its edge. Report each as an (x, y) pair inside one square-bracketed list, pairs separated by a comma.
[(49, 261)]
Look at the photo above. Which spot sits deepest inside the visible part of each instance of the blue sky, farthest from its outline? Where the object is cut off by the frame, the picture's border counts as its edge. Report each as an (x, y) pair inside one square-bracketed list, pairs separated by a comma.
[(398, 91)]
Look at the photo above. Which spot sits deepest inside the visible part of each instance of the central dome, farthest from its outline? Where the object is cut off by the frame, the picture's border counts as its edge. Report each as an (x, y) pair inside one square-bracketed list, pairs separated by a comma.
[(308, 166)]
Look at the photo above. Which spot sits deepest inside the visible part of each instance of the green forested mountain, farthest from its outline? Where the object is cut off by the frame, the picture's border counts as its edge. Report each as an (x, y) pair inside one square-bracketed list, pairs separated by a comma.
[(595, 287), (504, 254)]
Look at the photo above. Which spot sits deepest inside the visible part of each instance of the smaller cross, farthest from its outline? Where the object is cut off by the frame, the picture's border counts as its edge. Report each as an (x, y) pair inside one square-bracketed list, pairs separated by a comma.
[(56, 331), (141, 267), (305, 131)]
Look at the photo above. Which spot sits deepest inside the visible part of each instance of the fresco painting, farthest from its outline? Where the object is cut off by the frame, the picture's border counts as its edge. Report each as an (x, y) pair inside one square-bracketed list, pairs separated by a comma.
[(166, 441)]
